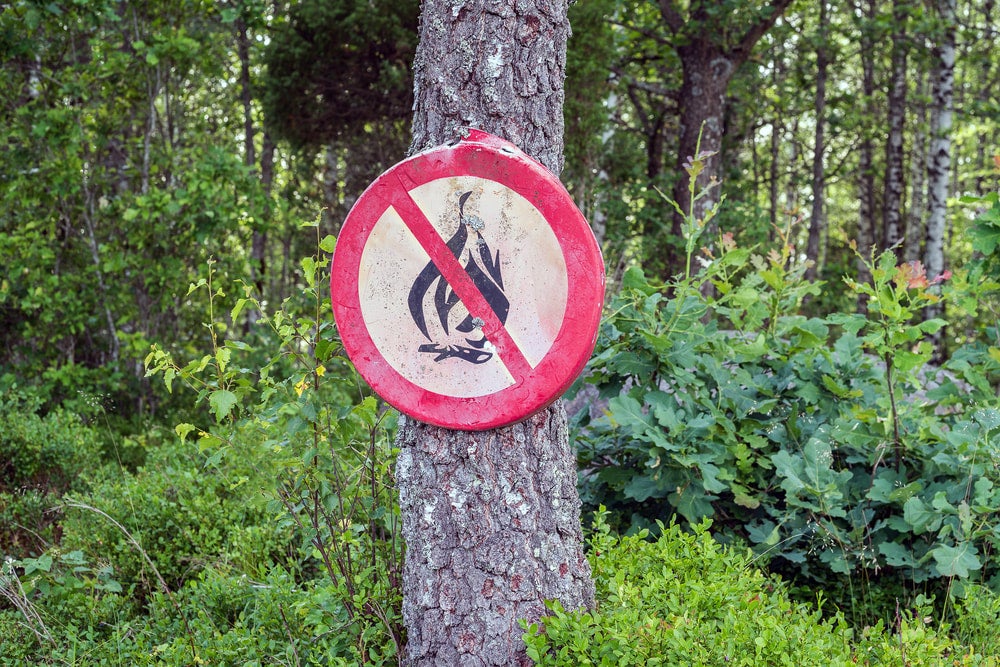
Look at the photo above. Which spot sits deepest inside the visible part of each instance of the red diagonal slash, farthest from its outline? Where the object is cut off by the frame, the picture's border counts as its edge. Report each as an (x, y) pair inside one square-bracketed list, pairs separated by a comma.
[(454, 273)]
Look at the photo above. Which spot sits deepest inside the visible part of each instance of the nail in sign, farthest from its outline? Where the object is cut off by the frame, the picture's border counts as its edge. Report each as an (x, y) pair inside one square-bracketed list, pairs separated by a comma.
[(466, 285)]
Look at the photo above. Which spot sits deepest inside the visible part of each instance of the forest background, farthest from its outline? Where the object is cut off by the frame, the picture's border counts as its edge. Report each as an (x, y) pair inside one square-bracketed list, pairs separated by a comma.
[(804, 349)]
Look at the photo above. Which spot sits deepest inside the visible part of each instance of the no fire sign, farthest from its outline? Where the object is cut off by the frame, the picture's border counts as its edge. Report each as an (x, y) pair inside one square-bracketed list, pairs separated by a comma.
[(466, 285)]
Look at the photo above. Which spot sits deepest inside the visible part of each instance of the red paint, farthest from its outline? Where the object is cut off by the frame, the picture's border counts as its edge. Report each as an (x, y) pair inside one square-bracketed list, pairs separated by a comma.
[(488, 157)]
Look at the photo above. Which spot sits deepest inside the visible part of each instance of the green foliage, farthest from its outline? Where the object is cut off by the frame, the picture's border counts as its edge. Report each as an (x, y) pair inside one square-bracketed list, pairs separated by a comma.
[(327, 447), (267, 533), (827, 444), (332, 67), (180, 512), (683, 599), (41, 458)]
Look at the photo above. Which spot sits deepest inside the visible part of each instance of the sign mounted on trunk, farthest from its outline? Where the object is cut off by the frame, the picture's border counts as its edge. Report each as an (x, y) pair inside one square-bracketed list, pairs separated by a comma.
[(466, 285)]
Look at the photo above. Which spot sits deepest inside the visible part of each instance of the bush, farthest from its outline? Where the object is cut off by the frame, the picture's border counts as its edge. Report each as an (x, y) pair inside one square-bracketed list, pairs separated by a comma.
[(41, 457), (177, 515), (828, 444), (684, 599)]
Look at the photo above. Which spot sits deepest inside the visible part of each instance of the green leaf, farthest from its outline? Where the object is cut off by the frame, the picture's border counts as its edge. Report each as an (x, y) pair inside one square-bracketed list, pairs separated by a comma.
[(932, 325), (238, 308), (988, 418), (896, 555), (309, 270), (222, 402), (956, 561), (904, 360), (626, 411), (43, 563), (919, 517), (692, 503), (643, 487), (328, 243), (182, 430), (788, 467), (635, 279), (664, 408)]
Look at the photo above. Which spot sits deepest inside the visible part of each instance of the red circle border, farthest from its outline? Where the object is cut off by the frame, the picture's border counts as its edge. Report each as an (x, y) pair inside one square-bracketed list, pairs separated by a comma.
[(485, 156)]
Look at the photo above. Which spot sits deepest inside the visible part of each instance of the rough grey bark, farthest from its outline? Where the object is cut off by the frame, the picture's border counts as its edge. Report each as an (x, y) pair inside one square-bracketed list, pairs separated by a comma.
[(939, 160), (892, 204), (494, 65), (491, 519), (817, 222)]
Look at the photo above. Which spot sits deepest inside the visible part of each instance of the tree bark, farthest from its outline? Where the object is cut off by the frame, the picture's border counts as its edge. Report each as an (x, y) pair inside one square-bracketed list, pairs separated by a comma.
[(708, 61), (939, 161), (491, 519), (916, 227), (816, 219), (892, 205), (866, 236)]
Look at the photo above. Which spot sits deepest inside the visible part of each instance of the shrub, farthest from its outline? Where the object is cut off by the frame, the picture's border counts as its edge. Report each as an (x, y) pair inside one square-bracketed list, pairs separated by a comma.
[(684, 599), (177, 515), (41, 457), (827, 443)]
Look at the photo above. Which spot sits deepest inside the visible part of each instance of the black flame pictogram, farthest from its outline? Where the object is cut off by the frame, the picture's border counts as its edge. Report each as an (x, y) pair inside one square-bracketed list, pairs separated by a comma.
[(487, 279)]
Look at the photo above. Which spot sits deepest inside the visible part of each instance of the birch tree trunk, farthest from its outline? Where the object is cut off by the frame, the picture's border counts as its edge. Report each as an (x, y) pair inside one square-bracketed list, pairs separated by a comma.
[(892, 205), (939, 161), (817, 223), (491, 519), (866, 236)]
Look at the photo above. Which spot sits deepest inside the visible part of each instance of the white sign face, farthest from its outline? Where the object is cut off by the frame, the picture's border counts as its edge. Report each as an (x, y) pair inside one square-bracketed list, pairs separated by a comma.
[(502, 237)]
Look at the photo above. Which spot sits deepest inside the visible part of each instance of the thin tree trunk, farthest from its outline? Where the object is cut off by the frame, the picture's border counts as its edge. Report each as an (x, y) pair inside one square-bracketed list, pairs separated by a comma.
[(258, 241), (816, 219), (892, 205), (491, 520), (916, 228), (246, 94), (791, 183), (777, 130), (707, 72), (774, 173), (866, 237), (940, 153)]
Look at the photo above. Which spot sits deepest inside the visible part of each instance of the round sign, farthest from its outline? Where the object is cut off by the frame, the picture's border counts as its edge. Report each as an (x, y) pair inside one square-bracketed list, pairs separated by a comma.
[(466, 285)]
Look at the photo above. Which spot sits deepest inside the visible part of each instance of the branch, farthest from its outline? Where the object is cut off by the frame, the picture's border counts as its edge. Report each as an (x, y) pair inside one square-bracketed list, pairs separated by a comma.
[(672, 15), (741, 51)]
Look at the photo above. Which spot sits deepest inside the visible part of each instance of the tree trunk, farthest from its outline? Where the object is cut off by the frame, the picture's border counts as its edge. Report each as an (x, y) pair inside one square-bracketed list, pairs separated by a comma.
[(707, 71), (708, 60), (774, 180), (491, 519), (866, 237), (940, 153), (892, 205), (791, 208), (916, 228), (816, 220)]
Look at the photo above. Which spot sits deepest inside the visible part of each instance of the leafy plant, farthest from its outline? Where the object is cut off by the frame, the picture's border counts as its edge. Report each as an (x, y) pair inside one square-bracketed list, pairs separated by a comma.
[(826, 443), (41, 458), (330, 448), (684, 599)]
